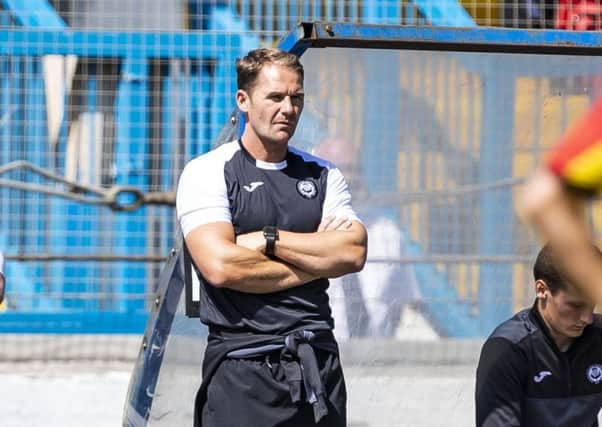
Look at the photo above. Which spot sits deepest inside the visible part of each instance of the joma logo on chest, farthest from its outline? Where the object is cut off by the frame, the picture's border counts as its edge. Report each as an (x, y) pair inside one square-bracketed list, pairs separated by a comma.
[(252, 186)]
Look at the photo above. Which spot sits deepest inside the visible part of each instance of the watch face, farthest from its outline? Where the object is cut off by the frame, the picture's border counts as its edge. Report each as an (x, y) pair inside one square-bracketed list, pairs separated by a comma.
[(270, 232)]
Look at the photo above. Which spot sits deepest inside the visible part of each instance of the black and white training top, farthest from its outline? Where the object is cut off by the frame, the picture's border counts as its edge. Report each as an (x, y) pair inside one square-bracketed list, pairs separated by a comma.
[(524, 380), (228, 184)]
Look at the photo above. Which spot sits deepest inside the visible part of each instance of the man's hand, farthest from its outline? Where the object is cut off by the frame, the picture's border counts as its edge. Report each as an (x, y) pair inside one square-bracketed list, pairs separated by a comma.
[(332, 223), (256, 241), (253, 240), (340, 251)]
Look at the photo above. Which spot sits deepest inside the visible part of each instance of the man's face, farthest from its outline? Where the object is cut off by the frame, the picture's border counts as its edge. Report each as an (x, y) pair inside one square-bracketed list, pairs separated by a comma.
[(567, 312), (274, 104)]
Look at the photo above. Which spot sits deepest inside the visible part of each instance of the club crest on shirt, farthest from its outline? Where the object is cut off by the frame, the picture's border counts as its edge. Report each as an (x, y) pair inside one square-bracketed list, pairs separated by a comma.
[(307, 188), (594, 374)]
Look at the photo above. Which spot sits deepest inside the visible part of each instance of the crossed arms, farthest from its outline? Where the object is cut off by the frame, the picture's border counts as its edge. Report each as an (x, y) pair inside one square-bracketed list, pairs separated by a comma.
[(338, 247)]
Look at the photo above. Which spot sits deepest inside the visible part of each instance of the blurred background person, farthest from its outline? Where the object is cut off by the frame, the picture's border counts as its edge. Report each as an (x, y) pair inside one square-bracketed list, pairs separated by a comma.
[(369, 303)]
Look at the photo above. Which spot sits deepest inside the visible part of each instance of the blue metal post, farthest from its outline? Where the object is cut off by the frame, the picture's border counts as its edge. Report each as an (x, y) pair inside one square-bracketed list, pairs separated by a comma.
[(131, 163), (84, 277), (35, 147), (495, 207), (16, 214), (381, 121), (34, 13), (224, 88)]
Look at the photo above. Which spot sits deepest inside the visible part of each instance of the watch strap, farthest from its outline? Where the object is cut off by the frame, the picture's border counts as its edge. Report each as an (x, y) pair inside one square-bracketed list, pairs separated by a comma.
[(271, 235)]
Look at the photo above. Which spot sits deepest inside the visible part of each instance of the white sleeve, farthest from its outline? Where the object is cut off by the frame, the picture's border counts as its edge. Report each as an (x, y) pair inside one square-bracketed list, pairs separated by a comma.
[(202, 196), (338, 197)]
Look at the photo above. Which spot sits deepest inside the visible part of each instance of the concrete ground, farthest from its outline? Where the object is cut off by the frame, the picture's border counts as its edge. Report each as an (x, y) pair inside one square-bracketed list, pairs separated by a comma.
[(390, 383), (76, 394), (34, 394)]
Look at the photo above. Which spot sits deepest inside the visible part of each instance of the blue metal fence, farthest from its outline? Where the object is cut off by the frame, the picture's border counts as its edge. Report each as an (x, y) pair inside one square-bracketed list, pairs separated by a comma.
[(146, 102), (149, 139), (442, 145)]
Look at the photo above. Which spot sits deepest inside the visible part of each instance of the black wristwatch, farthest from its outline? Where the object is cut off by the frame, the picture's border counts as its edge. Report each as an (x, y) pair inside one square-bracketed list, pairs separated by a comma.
[(271, 235)]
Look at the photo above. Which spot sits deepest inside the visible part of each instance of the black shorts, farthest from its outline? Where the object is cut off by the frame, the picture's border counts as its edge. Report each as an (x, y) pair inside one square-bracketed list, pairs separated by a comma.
[(253, 392)]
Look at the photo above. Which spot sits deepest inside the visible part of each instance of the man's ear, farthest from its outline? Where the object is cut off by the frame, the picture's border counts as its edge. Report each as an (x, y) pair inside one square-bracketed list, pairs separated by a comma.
[(242, 100), (541, 290)]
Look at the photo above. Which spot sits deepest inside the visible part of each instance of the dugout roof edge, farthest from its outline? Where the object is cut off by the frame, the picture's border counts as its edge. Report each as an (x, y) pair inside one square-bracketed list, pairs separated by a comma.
[(480, 39)]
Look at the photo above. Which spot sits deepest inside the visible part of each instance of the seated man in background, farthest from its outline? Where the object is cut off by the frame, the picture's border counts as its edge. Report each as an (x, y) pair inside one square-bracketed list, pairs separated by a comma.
[(543, 367)]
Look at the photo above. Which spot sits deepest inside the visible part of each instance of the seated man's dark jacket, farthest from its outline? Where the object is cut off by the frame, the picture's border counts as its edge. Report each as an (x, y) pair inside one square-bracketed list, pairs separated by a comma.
[(523, 379)]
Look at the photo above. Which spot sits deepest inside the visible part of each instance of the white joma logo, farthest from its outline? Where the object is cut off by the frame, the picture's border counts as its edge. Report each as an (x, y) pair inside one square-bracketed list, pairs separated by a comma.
[(252, 186), (539, 377)]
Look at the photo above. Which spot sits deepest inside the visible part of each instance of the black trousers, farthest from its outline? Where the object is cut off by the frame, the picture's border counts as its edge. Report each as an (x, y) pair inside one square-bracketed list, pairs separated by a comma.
[(254, 393)]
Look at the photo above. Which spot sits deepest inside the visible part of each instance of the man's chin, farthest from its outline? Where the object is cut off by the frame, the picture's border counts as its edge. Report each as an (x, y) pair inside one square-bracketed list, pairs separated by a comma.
[(282, 137)]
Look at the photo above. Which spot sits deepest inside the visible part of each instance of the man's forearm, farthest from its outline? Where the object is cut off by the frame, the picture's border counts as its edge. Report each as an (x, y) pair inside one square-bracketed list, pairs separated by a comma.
[(557, 217), (262, 275), (325, 254), (236, 267), (568, 235)]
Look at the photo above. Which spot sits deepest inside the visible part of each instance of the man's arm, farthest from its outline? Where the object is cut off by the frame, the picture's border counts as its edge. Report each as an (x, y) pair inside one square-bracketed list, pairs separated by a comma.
[(205, 218), (557, 215), (499, 385), (337, 248), (225, 264), (325, 254)]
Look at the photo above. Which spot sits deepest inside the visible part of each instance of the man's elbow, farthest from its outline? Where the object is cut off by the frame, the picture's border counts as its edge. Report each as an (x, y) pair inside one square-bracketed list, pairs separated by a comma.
[(217, 275), (353, 260), (356, 255), (358, 260)]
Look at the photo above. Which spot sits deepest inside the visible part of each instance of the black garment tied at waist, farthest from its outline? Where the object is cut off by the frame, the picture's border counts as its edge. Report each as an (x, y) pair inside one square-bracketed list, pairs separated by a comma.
[(297, 358)]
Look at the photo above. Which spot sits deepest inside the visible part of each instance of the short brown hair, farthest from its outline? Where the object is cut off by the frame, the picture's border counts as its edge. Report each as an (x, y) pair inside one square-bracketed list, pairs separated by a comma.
[(249, 66), (548, 267)]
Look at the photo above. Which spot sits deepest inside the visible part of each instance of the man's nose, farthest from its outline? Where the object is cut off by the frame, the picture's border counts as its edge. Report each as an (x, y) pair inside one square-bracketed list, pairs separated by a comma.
[(587, 317), (287, 105)]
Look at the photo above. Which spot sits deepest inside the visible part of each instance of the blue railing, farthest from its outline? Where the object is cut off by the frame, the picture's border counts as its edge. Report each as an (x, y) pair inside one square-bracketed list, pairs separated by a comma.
[(162, 99), (171, 93)]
